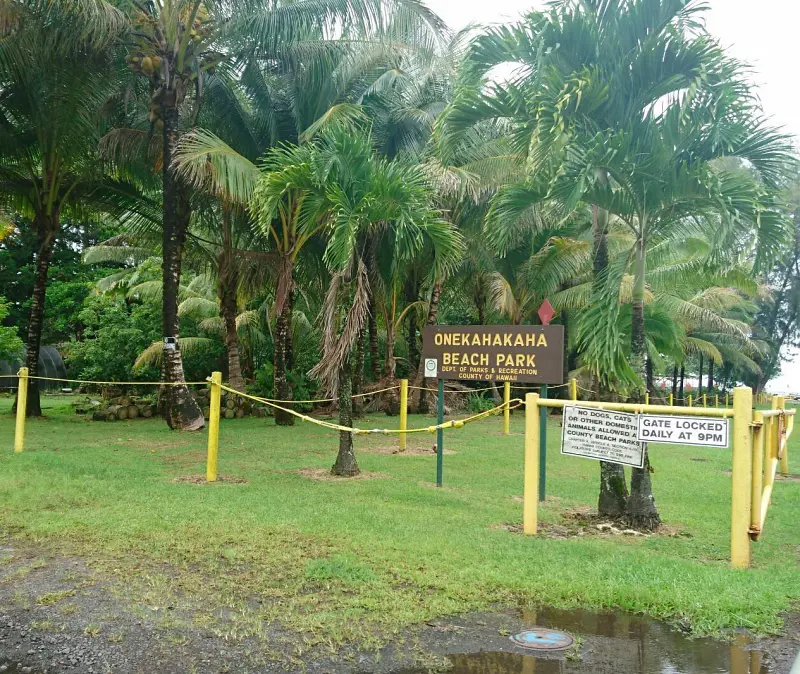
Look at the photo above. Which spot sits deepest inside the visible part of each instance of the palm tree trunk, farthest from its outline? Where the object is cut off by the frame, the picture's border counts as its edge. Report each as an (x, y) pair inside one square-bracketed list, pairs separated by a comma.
[(675, 381), (423, 405), (346, 464), (412, 294), (181, 411), (640, 509), (46, 227), (700, 379), (282, 336), (613, 488), (358, 376), (683, 375), (374, 358), (228, 283), (710, 384)]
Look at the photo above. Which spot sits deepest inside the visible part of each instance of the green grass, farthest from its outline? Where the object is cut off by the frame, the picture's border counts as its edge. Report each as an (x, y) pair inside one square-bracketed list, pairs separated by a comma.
[(334, 561)]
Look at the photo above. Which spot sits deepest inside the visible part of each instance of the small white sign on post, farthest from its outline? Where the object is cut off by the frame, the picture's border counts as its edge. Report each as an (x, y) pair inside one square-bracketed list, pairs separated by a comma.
[(431, 368), (702, 431), (602, 435)]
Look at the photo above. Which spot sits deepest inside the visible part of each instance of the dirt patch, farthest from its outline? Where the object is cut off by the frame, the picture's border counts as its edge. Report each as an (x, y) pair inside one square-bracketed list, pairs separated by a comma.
[(420, 450), (182, 460), (583, 521), (325, 475), (201, 479)]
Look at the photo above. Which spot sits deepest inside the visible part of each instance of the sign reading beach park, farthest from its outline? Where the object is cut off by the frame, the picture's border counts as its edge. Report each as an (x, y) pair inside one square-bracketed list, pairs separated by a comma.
[(514, 353), (703, 431), (603, 435)]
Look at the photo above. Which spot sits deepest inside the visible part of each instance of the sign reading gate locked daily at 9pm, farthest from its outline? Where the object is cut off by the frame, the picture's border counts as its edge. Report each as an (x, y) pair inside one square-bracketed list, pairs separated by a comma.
[(514, 353), (703, 431)]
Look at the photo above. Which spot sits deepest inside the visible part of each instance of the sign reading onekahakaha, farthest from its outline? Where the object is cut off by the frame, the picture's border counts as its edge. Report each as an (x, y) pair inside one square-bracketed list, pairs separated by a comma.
[(514, 353), (603, 435)]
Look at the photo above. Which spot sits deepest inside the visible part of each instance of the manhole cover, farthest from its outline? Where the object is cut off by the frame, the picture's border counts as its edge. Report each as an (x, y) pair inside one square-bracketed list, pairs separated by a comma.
[(542, 639)]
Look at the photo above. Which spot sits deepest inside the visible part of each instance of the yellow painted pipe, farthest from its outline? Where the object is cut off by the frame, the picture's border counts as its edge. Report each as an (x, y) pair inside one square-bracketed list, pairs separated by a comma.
[(573, 388), (757, 483), (716, 401), (785, 456), (638, 408), (403, 414), (671, 399), (690, 400), (705, 400), (507, 408), (741, 483), (531, 483), (22, 406), (213, 427), (783, 442), (647, 397), (727, 400)]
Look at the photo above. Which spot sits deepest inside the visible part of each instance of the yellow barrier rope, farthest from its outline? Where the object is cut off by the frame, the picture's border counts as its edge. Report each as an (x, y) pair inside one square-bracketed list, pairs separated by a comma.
[(197, 383), (120, 383), (456, 423), (465, 390)]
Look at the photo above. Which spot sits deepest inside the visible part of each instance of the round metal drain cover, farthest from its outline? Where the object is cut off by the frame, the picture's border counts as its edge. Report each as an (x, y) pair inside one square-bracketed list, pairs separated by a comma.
[(543, 639)]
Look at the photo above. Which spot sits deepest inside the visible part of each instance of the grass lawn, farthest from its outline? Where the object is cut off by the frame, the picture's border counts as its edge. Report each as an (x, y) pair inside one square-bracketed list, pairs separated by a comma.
[(361, 559)]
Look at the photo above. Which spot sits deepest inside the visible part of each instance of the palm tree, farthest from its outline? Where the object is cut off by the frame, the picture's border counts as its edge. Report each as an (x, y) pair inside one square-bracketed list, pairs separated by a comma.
[(177, 43), (56, 72), (623, 105)]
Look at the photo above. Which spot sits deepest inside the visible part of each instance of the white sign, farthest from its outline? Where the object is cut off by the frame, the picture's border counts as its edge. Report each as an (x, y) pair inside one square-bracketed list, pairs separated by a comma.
[(431, 367), (603, 435), (703, 431)]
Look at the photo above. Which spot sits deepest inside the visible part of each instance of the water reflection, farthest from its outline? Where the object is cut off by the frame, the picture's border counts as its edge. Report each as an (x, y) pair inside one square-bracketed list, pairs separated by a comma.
[(617, 643)]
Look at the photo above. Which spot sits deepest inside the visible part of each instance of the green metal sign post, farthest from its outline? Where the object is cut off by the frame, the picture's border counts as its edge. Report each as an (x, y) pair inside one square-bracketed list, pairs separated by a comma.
[(542, 445), (440, 434)]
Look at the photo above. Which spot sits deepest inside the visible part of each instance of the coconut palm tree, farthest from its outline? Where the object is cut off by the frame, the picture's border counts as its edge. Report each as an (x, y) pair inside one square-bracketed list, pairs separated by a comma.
[(56, 72), (639, 85)]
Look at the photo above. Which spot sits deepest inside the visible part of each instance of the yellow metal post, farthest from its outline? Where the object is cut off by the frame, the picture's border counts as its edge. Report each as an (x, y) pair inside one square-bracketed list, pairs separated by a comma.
[(787, 429), (531, 488), (671, 399), (727, 400), (690, 400), (757, 482), (741, 483), (573, 389), (403, 413), (647, 397), (716, 401), (507, 408), (773, 402), (22, 405), (705, 400), (213, 427)]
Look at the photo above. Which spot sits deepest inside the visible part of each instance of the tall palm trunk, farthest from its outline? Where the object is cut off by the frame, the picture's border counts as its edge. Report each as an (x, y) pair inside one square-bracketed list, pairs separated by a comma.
[(346, 464), (412, 294), (423, 405), (228, 282), (283, 337), (683, 376), (641, 508), (372, 329), (613, 488), (675, 381), (181, 411), (46, 227), (358, 376), (700, 379), (710, 384)]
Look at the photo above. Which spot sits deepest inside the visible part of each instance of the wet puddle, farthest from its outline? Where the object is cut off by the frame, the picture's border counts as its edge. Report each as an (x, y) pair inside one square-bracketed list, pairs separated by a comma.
[(612, 643)]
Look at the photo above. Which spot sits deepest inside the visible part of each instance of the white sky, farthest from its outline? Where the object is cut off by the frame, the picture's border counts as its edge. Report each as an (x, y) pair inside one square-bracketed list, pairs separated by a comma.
[(763, 34)]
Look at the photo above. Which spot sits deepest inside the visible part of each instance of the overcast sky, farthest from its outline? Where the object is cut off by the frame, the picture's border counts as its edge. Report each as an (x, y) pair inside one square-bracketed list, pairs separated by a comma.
[(762, 33)]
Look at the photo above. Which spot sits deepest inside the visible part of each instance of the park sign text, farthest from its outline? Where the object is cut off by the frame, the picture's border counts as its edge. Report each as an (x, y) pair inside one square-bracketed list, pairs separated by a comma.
[(514, 353), (702, 431)]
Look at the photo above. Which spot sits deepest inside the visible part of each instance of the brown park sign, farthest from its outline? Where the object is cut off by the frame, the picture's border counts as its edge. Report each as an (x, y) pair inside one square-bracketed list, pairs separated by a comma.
[(516, 353)]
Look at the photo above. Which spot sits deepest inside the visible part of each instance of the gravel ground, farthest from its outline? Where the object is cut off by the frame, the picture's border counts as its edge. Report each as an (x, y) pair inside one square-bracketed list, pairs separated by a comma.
[(58, 615)]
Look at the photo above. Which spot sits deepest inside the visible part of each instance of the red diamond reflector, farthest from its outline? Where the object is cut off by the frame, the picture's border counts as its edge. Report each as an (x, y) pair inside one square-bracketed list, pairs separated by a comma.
[(546, 312)]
